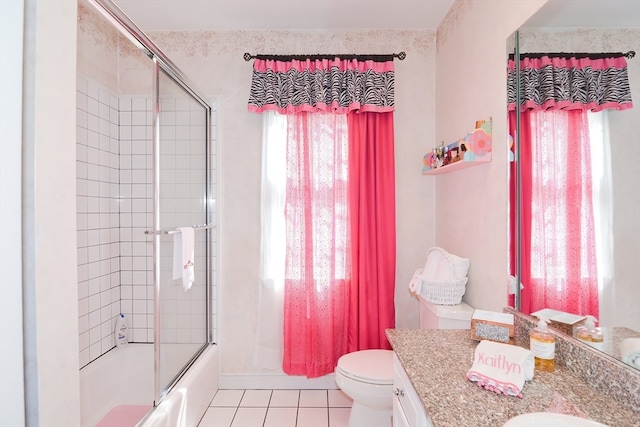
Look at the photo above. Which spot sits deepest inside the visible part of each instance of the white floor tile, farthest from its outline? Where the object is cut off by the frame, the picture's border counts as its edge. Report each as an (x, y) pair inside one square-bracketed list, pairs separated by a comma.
[(227, 398), (256, 398), (249, 417), (313, 417), (217, 417), (338, 399), (278, 408), (281, 417), (285, 398), (339, 417), (313, 399)]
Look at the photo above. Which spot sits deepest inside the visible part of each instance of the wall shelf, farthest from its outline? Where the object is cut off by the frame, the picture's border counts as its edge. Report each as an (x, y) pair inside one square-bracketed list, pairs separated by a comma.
[(457, 166), (476, 147)]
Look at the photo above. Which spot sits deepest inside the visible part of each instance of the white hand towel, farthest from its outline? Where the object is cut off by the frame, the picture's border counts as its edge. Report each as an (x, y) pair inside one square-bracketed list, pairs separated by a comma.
[(415, 285), (183, 251), (630, 351), (501, 368)]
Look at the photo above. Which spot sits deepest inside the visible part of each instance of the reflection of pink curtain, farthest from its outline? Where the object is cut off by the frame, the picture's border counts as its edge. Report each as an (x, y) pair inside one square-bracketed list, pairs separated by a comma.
[(373, 235), (317, 266), (524, 208), (570, 81), (558, 240)]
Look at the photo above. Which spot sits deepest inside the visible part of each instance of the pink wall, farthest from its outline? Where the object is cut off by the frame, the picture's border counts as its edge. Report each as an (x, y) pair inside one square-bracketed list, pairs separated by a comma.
[(471, 208)]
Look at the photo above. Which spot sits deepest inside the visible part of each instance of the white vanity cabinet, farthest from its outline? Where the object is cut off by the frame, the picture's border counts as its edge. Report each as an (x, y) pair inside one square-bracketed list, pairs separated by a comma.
[(407, 408)]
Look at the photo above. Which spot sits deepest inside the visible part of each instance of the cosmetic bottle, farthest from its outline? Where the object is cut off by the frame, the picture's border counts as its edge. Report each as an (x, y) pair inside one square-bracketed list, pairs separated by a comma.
[(121, 331), (542, 344), (589, 333)]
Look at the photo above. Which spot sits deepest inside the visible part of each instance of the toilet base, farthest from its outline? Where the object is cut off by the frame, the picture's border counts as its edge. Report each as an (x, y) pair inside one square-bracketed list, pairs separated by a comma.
[(364, 416)]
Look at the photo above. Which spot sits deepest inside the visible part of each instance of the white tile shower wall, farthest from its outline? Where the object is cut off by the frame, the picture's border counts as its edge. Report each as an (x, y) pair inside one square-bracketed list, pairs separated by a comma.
[(97, 217), (136, 210), (115, 208)]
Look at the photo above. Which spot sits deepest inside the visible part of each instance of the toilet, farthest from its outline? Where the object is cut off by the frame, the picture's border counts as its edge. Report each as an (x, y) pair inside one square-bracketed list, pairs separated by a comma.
[(366, 376)]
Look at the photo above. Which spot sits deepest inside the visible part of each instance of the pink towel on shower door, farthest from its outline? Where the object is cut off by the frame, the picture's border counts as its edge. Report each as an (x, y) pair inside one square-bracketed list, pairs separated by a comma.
[(183, 251)]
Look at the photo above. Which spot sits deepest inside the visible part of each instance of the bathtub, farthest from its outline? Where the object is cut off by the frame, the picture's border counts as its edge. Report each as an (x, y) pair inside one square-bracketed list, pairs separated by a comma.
[(123, 376), (189, 399), (122, 381)]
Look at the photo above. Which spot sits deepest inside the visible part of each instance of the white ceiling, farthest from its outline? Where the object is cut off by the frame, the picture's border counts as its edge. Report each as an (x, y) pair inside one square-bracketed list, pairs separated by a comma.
[(587, 13), (166, 15), (182, 15)]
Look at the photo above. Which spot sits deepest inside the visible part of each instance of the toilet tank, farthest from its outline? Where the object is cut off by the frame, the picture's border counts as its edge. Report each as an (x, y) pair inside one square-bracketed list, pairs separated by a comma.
[(434, 316)]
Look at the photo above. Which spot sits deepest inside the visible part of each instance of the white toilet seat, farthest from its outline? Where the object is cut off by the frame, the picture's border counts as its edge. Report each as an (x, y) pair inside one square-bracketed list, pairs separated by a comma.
[(366, 376), (368, 366)]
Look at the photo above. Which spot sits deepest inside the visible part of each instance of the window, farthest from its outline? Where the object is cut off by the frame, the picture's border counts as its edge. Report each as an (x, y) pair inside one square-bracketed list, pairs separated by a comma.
[(314, 197)]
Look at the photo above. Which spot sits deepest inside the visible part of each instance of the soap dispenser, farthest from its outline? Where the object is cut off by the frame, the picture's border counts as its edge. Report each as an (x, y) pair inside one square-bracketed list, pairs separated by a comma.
[(589, 333), (542, 344)]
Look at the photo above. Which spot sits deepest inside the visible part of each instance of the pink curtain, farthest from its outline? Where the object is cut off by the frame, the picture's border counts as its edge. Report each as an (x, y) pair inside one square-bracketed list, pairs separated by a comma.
[(373, 233), (303, 83), (558, 243), (317, 269), (340, 202)]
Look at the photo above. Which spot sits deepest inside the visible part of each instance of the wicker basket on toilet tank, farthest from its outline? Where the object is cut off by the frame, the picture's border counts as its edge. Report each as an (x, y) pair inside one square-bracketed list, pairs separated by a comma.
[(444, 278)]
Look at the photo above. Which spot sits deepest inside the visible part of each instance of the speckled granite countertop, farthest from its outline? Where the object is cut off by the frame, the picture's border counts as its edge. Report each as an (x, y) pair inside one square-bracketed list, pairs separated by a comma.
[(436, 362)]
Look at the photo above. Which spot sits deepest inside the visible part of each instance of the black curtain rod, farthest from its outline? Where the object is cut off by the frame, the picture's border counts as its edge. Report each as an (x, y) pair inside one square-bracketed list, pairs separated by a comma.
[(378, 58), (627, 55)]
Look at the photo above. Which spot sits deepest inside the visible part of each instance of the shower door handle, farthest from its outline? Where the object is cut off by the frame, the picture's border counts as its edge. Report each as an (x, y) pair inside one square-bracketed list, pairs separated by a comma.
[(175, 231)]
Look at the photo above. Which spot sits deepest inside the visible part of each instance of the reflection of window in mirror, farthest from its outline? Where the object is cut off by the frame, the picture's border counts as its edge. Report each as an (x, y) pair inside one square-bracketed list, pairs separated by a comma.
[(560, 259), (566, 155)]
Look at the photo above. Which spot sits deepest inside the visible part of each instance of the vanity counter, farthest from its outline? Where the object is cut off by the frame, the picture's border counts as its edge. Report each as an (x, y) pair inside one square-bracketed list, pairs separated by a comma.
[(437, 361)]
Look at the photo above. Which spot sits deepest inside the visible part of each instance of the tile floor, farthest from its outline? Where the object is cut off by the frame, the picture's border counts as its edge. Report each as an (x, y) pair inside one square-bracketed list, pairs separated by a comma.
[(278, 408)]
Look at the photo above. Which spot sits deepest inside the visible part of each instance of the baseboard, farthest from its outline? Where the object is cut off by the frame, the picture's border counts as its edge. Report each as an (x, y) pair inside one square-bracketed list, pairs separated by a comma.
[(275, 382)]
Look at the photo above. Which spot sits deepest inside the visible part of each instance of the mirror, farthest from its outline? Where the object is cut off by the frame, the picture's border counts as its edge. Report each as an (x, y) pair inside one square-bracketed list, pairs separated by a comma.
[(605, 26)]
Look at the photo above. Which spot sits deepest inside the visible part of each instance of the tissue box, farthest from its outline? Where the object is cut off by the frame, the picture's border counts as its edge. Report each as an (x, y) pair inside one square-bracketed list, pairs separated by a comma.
[(561, 321), (492, 326)]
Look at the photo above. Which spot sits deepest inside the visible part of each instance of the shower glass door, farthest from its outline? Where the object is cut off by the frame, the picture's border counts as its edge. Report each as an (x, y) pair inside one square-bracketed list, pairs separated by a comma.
[(182, 157)]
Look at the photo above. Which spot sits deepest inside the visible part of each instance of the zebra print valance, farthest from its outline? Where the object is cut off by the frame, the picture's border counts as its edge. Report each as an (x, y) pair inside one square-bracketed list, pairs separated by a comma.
[(322, 84), (570, 81)]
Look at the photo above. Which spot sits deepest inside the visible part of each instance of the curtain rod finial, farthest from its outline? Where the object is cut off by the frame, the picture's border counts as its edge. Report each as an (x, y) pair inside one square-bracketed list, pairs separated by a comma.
[(247, 56)]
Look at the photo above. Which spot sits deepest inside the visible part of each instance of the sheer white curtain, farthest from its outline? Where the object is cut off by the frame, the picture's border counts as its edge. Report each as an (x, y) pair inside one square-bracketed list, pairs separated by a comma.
[(268, 350), (603, 210)]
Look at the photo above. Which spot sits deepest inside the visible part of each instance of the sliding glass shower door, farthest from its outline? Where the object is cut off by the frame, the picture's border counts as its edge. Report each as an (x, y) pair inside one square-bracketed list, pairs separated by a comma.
[(181, 159), (144, 169)]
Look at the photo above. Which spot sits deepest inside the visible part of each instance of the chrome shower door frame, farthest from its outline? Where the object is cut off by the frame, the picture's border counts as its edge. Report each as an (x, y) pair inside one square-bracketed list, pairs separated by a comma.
[(162, 64)]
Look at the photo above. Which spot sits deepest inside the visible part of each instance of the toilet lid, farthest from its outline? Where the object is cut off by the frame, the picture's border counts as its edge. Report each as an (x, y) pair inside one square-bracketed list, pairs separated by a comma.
[(371, 366)]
